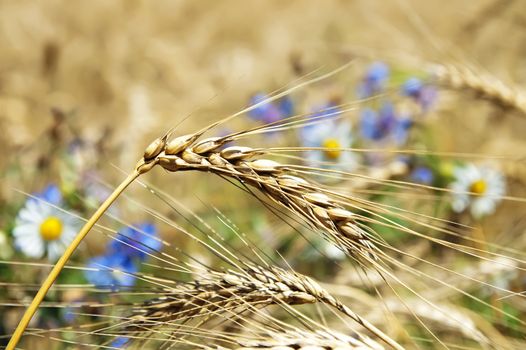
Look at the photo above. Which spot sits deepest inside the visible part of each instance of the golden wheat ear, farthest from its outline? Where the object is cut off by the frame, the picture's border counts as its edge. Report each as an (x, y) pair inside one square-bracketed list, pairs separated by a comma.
[(144, 165)]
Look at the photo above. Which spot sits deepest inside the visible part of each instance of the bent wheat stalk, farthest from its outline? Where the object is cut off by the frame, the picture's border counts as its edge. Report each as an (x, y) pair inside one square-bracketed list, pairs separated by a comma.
[(50, 279)]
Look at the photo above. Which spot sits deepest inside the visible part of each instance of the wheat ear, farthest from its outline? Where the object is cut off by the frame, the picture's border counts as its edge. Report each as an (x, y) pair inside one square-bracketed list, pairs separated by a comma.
[(253, 283), (277, 181), (482, 84)]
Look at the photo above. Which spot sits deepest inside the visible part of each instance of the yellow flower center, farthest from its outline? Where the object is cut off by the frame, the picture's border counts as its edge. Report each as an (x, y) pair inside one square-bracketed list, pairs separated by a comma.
[(332, 148), (51, 228), (478, 187)]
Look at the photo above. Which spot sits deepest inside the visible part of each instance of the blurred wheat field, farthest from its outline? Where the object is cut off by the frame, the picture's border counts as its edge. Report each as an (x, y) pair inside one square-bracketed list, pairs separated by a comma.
[(366, 189)]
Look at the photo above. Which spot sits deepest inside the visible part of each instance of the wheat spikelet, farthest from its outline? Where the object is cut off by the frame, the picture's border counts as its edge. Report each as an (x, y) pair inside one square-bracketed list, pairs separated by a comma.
[(481, 84), (303, 340)]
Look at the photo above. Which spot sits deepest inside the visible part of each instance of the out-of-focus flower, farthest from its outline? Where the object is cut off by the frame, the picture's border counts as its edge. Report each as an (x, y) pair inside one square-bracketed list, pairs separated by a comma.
[(479, 188), (41, 228), (424, 95), (111, 270), (332, 251), (120, 342), (51, 194), (269, 112), (384, 124), (137, 242), (286, 106), (422, 175), (374, 80), (334, 137), (327, 112)]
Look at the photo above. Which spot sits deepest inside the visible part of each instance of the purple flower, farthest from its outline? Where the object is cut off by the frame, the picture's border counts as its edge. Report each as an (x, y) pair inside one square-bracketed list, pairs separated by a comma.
[(286, 106), (368, 124), (377, 125), (422, 175), (412, 87), (136, 242), (374, 80), (113, 270), (401, 129), (384, 124), (270, 112), (423, 94)]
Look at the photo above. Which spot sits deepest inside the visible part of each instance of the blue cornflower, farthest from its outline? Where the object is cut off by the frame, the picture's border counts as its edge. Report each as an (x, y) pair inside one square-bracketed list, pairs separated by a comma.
[(270, 112), (286, 106), (401, 129), (374, 80), (377, 125), (412, 87), (423, 94), (422, 175), (113, 270), (384, 124), (51, 193), (119, 342), (135, 242), (368, 124)]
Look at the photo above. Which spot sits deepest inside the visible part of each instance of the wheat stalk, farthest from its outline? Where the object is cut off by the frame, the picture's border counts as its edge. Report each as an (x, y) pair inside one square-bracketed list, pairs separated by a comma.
[(482, 84)]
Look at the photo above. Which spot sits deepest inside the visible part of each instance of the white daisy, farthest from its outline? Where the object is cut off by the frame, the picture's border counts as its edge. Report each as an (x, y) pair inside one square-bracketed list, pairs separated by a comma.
[(479, 188), (42, 229), (334, 137)]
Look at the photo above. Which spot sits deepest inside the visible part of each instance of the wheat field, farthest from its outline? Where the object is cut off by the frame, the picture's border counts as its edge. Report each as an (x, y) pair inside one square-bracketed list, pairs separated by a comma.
[(263, 174)]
